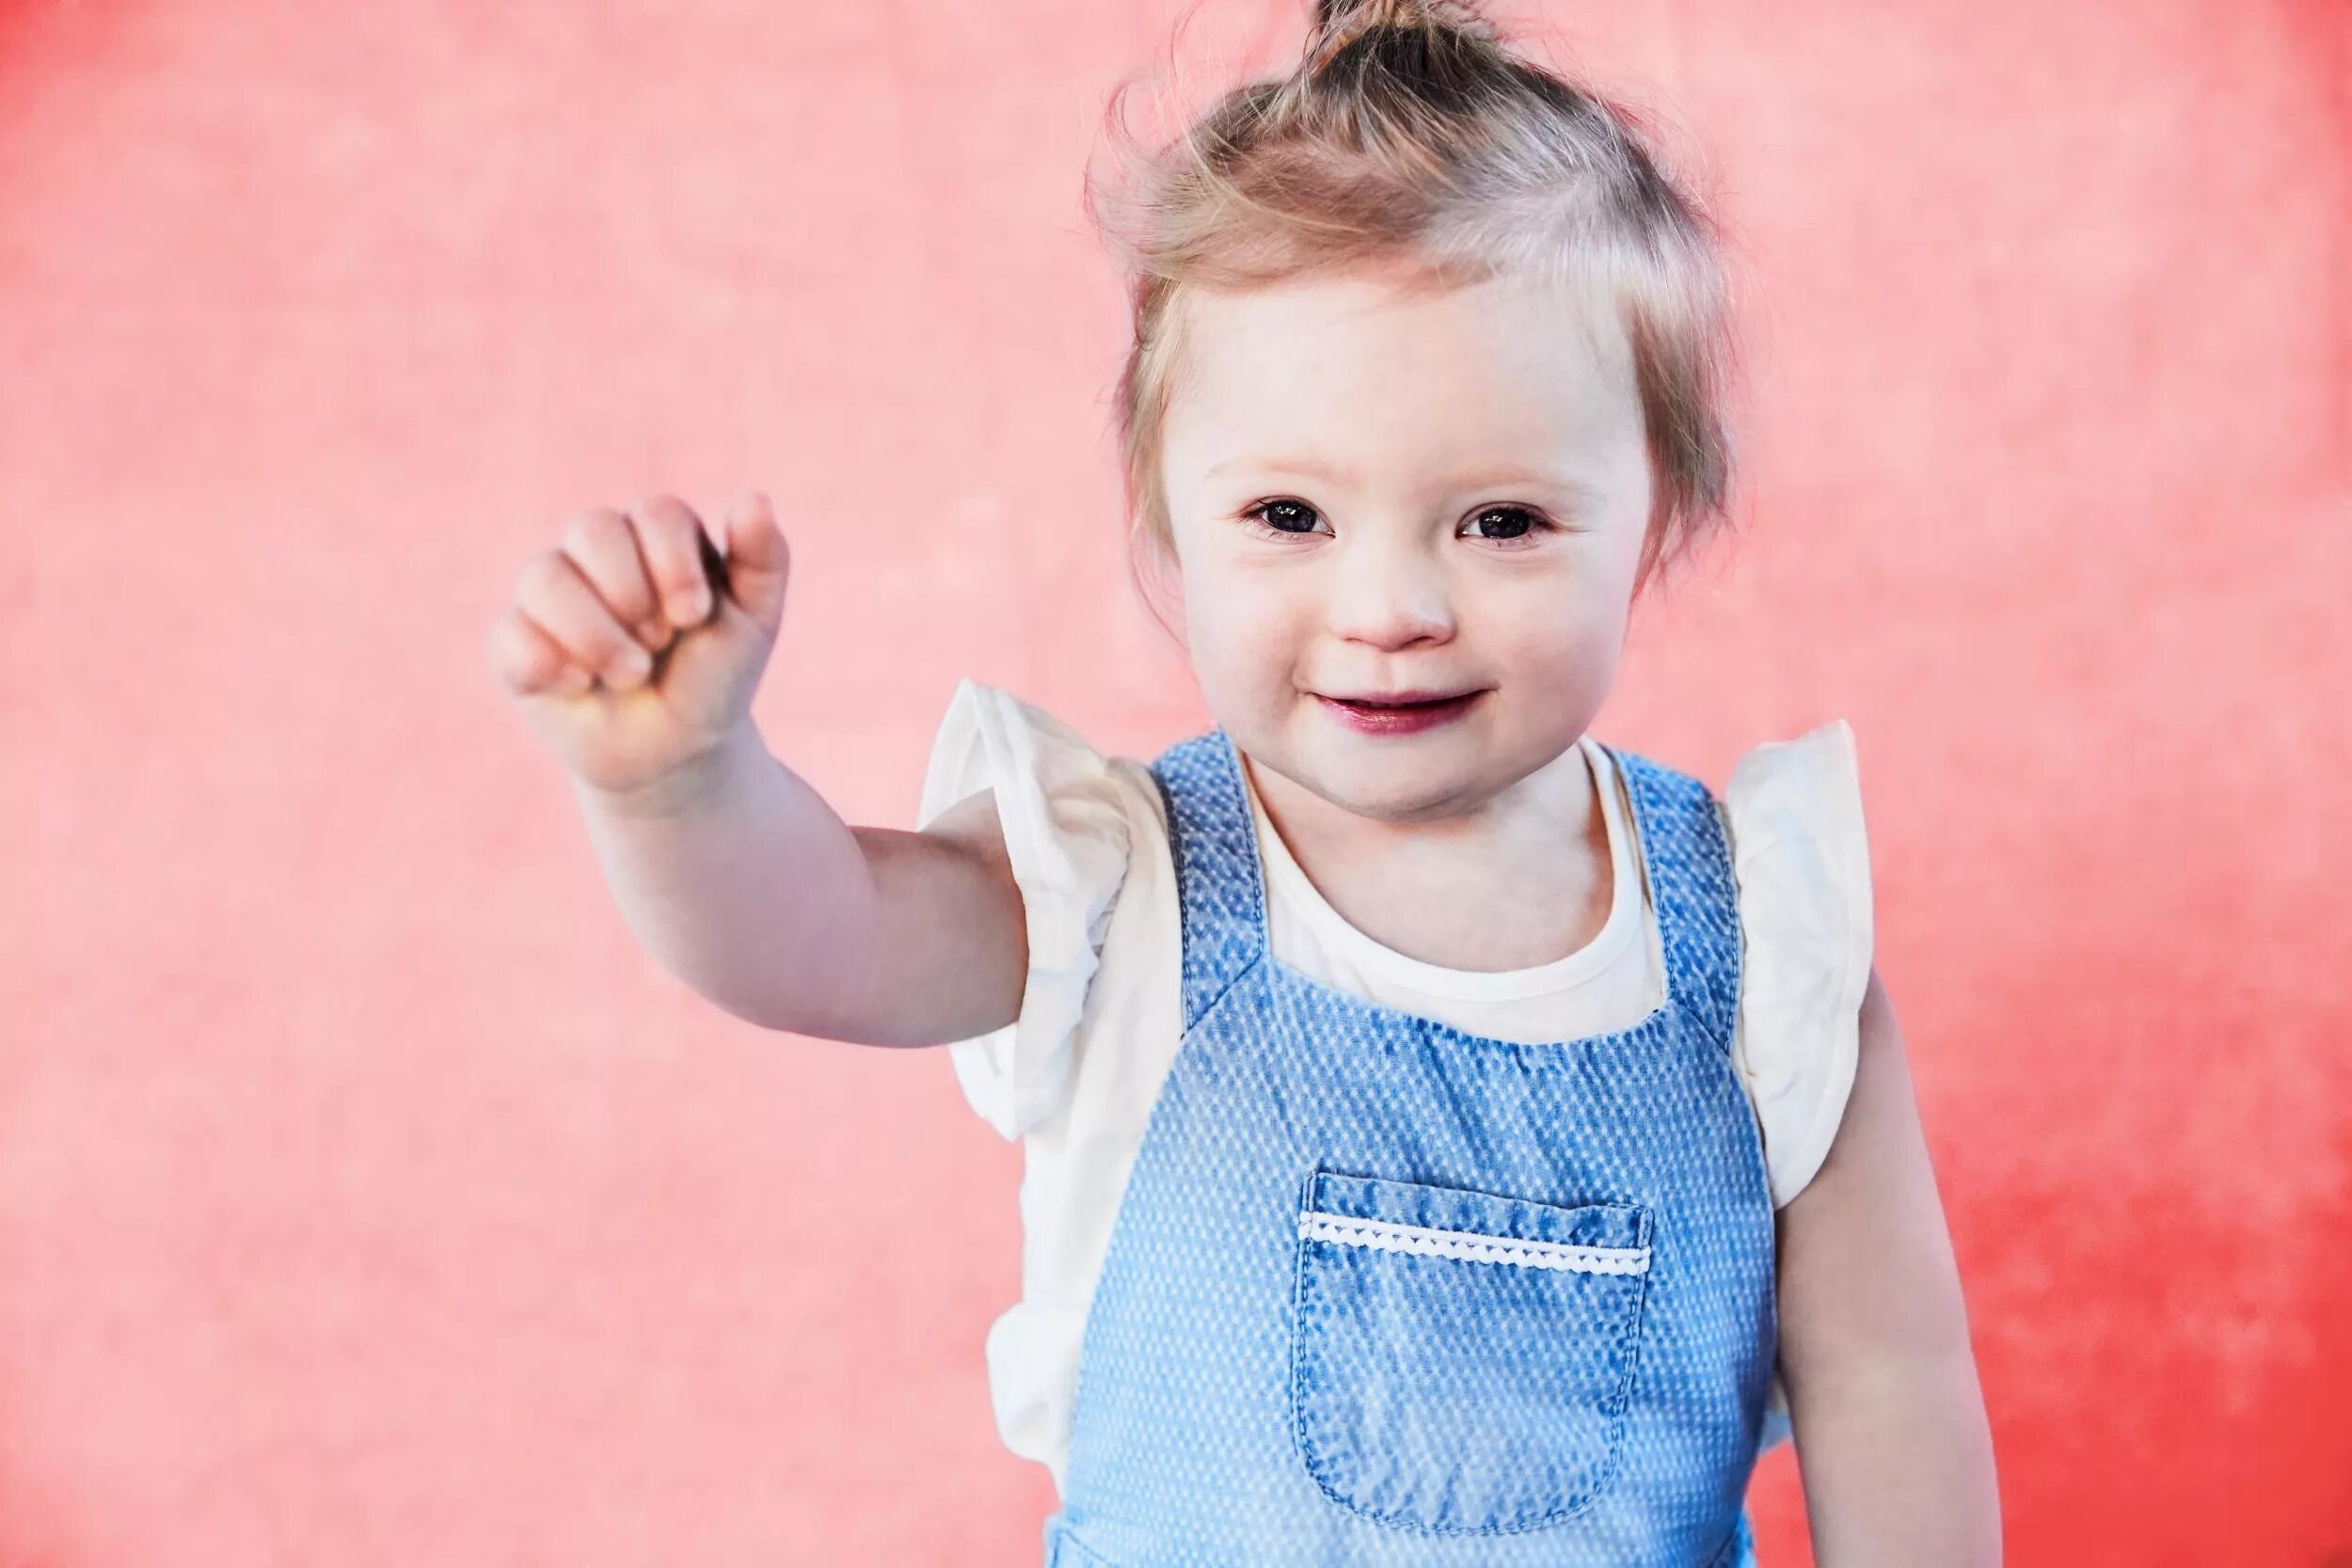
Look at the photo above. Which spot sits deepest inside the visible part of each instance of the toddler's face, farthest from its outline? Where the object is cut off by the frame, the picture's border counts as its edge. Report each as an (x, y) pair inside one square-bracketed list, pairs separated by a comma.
[(1374, 492)]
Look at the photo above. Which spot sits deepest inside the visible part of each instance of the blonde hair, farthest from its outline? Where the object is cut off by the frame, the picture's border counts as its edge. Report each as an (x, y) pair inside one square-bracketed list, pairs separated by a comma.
[(1410, 139)]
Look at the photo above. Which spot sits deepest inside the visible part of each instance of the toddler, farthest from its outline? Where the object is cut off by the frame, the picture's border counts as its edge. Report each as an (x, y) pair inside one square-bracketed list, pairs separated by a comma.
[(1449, 1138)]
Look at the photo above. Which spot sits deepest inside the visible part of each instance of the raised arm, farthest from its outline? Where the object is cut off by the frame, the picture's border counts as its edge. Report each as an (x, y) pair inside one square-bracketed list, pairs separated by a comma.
[(748, 887), (633, 651)]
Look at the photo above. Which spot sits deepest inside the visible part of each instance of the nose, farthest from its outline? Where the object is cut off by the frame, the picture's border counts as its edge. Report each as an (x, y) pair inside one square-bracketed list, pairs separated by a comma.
[(1388, 595)]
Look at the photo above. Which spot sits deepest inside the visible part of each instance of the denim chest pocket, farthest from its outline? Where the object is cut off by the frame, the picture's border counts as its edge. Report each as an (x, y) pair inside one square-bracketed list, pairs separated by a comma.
[(1461, 1360)]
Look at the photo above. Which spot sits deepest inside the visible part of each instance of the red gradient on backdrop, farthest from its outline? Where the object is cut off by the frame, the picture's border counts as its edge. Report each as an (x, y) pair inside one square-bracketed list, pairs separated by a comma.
[(367, 1193)]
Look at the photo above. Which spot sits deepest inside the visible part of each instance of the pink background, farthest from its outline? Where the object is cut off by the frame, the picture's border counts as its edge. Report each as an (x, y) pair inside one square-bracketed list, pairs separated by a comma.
[(367, 1196)]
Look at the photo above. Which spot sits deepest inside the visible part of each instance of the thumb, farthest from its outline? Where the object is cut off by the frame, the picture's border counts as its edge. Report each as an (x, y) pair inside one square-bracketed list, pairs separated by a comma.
[(757, 560)]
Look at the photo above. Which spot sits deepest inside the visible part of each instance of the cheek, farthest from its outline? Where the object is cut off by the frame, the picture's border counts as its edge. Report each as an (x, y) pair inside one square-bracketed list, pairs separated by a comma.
[(1578, 640), (1243, 631)]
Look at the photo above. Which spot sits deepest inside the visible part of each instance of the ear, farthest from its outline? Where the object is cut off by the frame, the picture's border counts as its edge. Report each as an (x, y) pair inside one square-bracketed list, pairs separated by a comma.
[(1159, 579)]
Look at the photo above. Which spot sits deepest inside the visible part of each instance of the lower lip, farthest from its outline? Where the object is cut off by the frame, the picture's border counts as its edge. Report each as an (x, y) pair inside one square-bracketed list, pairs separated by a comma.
[(1399, 721)]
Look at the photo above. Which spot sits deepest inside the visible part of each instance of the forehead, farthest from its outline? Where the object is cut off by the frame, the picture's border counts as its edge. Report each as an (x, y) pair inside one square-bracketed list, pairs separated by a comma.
[(1373, 365)]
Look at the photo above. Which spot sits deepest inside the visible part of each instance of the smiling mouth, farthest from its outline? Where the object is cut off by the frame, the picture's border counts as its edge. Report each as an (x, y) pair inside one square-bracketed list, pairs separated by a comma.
[(1403, 701), (1399, 715)]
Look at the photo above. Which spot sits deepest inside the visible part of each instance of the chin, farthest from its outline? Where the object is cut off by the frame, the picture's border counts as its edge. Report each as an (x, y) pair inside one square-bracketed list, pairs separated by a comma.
[(1373, 780)]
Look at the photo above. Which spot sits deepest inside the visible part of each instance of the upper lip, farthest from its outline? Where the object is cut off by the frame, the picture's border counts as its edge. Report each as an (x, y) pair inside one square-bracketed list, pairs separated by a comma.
[(1397, 698)]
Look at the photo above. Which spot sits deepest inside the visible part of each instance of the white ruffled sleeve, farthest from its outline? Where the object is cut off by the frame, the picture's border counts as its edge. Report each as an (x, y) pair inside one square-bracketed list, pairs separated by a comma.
[(1802, 864), (1066, 836)]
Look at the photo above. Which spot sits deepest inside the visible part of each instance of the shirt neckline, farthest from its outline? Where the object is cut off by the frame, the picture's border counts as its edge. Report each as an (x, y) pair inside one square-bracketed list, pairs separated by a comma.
[(1488, 985)]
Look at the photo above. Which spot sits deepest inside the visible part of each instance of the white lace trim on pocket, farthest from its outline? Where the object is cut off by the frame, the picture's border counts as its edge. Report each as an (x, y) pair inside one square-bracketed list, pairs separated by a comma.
[(1472, 1245)]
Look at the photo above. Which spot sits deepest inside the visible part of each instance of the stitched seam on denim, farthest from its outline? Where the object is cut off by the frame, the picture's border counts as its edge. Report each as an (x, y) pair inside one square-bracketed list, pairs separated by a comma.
[(1193, 923), (1246, 830), (1706, 881), (1065, 1540), (1729, 1552), (1475, 1247), (1209, 1007), (1650, 813), (1304, 1444), (1727, 886), (1187, 916)]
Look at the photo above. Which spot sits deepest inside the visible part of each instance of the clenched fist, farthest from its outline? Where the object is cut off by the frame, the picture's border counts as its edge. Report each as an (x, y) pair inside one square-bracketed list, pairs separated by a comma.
[(633, 648)]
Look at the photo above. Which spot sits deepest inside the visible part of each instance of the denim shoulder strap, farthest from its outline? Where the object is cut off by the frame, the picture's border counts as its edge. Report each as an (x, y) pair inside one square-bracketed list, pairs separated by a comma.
[(1686, 854), (1215, 850)]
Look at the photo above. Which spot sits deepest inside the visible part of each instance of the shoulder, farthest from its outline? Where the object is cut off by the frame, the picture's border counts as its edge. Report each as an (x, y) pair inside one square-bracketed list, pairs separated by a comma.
[(1800, 853), (1085, 837), (1050, 781), (1800, 849)]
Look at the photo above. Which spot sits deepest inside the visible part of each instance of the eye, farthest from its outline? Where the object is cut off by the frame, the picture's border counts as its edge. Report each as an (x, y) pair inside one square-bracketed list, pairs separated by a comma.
[(1283, 516), (1516, 524)]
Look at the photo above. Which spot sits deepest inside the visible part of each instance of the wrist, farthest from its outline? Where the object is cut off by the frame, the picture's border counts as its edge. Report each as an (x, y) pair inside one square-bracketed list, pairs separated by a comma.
[(687, 786)]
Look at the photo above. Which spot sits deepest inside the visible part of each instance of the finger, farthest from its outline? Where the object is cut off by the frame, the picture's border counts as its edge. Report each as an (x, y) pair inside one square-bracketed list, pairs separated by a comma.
[(671, 538), (758, 562), (553, 593), (530, 663), (602, 543), (714, 565)]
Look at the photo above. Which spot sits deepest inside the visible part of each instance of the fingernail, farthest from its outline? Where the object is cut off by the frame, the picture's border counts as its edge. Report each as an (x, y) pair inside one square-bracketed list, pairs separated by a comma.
[(698, 604), (634, 664)]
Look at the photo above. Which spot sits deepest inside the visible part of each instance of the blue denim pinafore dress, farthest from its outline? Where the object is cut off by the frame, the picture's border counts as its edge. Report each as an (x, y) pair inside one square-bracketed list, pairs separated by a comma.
[(1381, 1291)]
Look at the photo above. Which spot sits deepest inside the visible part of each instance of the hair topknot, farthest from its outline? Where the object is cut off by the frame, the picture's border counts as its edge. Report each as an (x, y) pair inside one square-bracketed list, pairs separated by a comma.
[(1429, 25), (1411, 139)]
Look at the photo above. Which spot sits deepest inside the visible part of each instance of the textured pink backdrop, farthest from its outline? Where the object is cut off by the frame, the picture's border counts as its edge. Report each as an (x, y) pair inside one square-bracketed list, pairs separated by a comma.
[(368, 1196)]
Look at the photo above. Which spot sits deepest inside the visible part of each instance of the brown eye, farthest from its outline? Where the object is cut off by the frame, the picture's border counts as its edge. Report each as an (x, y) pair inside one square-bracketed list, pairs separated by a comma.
[(1284, 517), (1517, 522)]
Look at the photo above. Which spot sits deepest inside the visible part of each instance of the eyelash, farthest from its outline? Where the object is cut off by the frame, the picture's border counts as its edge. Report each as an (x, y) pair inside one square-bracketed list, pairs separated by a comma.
[(1539, 524)]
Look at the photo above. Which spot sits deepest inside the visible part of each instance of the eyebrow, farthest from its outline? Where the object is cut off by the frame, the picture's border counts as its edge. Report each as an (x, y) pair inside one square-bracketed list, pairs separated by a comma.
[(1309, 468), (1303, 465)]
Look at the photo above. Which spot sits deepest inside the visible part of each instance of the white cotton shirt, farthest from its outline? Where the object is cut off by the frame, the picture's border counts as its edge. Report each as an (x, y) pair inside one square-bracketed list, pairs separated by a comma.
[(1074, 1076)]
